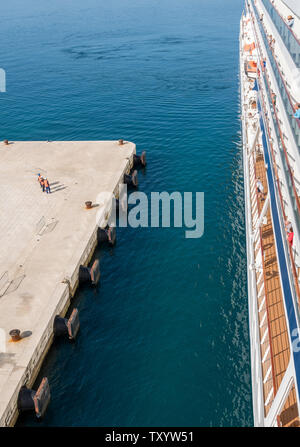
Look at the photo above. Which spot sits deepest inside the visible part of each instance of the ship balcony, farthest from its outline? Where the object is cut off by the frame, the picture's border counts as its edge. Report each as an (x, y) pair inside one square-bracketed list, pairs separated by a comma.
[(289, 164), (290, 107), (287, 175), (275, 352), (273, 330), (270, 340), (288, 36)]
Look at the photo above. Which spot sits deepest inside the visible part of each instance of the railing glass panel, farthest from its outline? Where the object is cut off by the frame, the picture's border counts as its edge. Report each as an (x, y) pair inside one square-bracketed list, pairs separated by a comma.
[(280, 215), (294, 123), (284, 163), (289, 39)]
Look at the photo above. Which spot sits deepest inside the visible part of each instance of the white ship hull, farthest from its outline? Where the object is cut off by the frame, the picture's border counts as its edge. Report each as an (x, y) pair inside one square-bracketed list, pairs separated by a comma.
[(272, 261)]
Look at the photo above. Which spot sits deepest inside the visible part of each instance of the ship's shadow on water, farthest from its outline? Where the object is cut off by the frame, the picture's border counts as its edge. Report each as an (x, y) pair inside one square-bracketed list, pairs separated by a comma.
[(164, 339)]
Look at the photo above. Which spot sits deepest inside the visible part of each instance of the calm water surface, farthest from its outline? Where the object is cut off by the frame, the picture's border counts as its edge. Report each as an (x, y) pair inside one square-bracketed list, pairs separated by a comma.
[(164, 341)]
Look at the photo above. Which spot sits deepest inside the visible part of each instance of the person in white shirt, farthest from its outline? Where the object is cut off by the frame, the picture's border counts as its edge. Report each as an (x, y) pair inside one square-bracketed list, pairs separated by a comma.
[(290, 21), (260, 188)]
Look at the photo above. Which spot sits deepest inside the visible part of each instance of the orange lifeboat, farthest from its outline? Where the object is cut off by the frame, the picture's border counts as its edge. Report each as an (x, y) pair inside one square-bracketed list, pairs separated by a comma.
[(249, 47), (251, 68)]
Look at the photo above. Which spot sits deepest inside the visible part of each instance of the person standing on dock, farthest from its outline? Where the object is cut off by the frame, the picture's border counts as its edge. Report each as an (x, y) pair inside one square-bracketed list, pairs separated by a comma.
[(42, 183), (47, 186), (41, 180)]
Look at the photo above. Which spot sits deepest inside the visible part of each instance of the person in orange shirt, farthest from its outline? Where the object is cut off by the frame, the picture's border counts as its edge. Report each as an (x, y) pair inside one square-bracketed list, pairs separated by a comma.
[(42, 183), (47, 186)]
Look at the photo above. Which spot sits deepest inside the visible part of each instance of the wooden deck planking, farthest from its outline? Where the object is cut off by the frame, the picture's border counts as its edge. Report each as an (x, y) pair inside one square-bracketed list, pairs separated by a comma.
[(289, 416), (277, 337), (274, 300)]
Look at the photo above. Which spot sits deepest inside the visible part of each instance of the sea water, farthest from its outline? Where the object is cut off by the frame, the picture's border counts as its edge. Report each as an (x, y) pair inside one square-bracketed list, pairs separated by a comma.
[(164, 340)]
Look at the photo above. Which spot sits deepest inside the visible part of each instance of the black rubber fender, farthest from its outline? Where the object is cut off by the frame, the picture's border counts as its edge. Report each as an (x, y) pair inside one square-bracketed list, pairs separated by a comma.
[(139, 160), (131, 180), (84, 274), (25, 399)]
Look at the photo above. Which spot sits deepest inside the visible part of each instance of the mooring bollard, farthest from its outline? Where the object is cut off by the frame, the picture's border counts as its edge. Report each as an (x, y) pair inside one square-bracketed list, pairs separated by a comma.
[(15, 334), (88, 205), (67, 327), (121, 142), (5, 142), (37, 401)]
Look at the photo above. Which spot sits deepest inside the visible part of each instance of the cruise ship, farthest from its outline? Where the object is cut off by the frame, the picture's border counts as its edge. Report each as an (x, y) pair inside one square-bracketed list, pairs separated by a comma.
[(270, 115)]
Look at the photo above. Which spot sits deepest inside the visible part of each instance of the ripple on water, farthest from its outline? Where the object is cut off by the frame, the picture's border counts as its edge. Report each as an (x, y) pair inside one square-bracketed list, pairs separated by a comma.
[(164, 340)]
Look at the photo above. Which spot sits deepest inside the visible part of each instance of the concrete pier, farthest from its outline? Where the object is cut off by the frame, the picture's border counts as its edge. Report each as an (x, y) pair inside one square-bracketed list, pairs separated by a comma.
[(44, 238)]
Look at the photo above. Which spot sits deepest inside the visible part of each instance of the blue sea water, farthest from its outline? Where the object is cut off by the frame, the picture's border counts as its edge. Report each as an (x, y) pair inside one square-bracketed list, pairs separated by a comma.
[(164, 341)]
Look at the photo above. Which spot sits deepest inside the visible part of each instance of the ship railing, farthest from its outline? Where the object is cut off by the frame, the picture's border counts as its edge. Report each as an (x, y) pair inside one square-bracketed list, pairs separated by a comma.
[(292, 308), (263, 308), (285, 95), (293, 269), (246, 7), (291, 41), (290, 181), (257, 370), (287, 249)]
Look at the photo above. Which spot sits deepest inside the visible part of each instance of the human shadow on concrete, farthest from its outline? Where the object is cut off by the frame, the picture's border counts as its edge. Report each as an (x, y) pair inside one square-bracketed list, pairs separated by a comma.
[(57, 188)]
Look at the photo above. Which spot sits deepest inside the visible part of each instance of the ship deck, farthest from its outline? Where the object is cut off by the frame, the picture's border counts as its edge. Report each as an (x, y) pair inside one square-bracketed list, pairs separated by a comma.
[(280, 351), (271, 319)]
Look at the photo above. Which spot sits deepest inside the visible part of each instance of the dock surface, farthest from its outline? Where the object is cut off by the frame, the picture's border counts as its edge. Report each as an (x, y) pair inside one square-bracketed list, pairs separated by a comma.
[(43, 239)]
